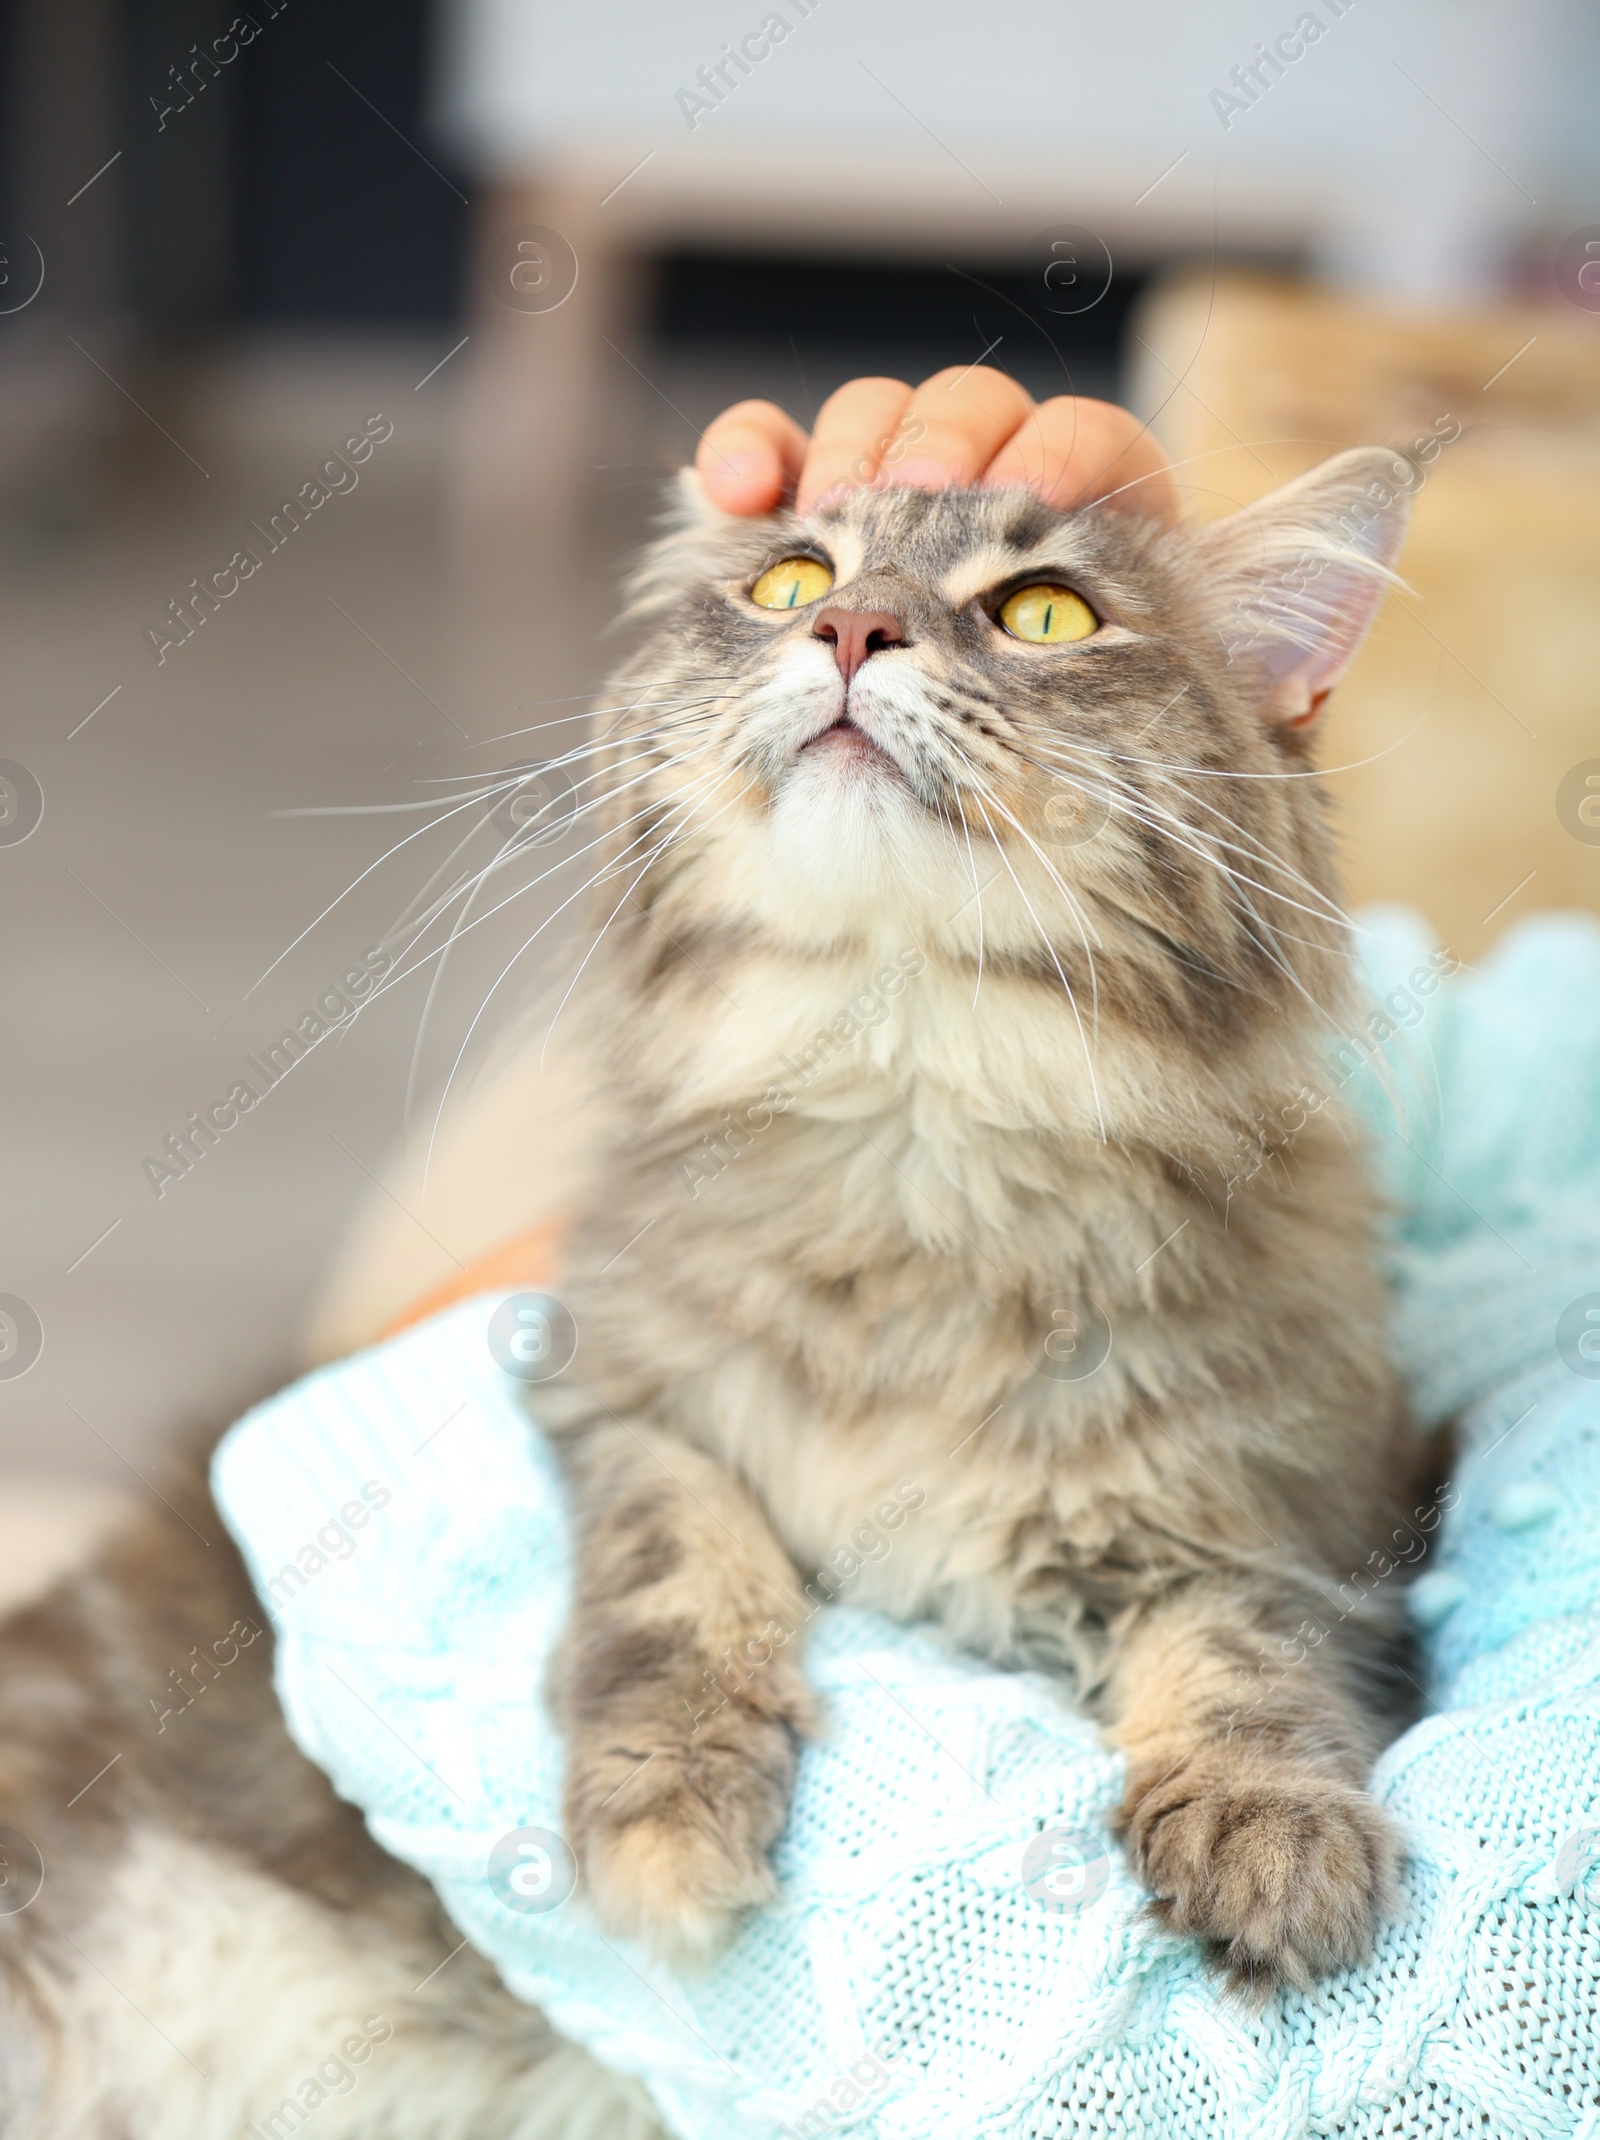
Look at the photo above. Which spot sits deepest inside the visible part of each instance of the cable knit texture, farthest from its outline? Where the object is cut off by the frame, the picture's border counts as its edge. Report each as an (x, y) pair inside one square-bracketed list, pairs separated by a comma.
[(959, 1950)]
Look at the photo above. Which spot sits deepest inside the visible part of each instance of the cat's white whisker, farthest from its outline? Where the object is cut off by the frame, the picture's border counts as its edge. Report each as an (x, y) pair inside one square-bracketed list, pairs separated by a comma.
[(583, 888), (596, 713), (405, 973), (452, 811), (1079, 919), (428, 802), (509, 852), (698, 795), (1314, 772), (1159, 819), (1044, 938), (1135, 804), (977, 893), (437, 977), (453, 807)]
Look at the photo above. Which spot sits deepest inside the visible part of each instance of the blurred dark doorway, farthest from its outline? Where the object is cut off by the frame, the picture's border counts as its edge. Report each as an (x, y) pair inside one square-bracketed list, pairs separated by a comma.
[(837, 317), (348, 210), (192, 162)]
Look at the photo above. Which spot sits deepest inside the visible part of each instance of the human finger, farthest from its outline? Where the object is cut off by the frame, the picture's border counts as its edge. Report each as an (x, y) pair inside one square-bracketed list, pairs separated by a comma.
[(952, 427), (1073, 451), (750, 457), (854, 428)]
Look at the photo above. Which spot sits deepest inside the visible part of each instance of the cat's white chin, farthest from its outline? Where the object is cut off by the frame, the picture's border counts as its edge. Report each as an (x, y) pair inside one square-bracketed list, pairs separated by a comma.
[(845, 833)]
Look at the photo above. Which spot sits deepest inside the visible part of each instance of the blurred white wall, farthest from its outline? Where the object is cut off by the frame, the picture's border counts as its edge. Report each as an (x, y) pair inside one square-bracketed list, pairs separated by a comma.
[(1414, 144)]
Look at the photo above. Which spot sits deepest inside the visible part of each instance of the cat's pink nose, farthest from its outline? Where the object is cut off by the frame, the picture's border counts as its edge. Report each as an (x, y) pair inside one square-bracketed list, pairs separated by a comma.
[(855, 633)]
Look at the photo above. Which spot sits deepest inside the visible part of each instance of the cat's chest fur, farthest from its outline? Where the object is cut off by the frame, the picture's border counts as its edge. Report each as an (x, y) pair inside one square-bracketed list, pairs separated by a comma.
[(947, 967), (889, 1282)]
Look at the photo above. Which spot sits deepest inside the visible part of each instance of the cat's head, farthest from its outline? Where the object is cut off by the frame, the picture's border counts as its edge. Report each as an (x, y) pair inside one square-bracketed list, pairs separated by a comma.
[(1074, 746)]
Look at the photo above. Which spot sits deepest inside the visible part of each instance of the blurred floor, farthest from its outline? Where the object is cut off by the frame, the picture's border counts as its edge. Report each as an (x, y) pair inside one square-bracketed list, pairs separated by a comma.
[(160, 885)]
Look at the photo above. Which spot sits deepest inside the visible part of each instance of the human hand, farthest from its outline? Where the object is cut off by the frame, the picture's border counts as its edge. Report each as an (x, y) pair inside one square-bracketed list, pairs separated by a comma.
[(961, 426)]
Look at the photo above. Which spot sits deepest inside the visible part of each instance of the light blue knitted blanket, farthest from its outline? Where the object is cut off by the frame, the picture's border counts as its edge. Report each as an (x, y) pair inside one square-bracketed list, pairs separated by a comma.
[(958, 1951)]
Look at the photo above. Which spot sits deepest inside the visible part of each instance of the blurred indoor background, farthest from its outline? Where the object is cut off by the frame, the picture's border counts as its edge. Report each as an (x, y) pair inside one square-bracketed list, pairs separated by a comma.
[(545, 245)]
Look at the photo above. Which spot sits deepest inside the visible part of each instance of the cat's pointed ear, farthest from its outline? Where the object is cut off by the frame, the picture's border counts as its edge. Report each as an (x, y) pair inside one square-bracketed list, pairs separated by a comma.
[(1296, 578)]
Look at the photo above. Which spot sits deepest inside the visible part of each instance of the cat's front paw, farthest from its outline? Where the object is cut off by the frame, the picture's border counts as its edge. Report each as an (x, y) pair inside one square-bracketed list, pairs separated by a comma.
[(1280, 1868), (671, 1818)]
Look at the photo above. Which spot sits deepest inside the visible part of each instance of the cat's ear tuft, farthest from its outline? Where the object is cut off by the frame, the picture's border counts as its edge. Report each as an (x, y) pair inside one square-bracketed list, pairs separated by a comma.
[(694, 541), (689, 508), (1296, 578)]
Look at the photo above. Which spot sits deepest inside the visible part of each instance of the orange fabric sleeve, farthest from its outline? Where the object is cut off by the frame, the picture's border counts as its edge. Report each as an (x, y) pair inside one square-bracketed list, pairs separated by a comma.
[(529, 1259)]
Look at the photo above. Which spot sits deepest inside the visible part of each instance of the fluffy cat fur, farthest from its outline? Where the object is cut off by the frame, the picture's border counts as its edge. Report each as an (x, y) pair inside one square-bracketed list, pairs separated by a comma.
[(867, 1254), (833, 1270)]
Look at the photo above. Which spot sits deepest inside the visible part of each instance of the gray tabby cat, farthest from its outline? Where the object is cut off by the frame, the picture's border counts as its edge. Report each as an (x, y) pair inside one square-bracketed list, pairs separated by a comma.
[(971, 904), (1036, 790)]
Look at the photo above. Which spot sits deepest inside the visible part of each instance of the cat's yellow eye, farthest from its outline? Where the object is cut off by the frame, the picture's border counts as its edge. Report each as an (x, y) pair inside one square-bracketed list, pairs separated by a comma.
[(1047, 615), (791, 584)]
